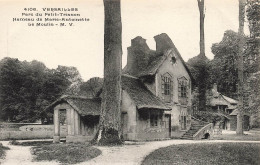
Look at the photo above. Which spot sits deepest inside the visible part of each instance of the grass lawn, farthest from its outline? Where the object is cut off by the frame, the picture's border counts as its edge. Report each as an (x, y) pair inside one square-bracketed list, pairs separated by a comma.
[(205, 153), (2, 151), (252, 135), (66, 153)]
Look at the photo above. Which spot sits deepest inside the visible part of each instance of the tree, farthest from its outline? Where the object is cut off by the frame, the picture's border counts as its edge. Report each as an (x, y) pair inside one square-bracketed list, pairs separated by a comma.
[(91, 87), (26, 88), (252, 58), (202, 17), (239, 129), (199, 65), (224, 65), (199, 68), (110, 118), (10, 82), (73, 76)]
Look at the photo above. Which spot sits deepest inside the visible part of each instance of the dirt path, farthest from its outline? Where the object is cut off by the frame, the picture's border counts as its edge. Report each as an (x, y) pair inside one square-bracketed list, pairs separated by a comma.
[(129, 154), (16, 154), (134, 154), (20, 155)]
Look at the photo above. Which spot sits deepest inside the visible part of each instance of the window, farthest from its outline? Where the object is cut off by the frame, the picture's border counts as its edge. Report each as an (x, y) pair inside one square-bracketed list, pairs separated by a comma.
[(167, 89), (183, 87), (183, 90), (154, 120), (167, 86)]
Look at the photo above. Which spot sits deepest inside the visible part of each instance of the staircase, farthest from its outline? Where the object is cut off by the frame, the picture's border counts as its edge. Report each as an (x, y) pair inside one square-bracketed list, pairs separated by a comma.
[(198, 129)]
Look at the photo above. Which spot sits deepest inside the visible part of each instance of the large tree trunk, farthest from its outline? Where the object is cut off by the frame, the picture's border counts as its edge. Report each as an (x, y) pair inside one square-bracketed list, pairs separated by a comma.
[(110, 118), (239, 129), (202, 85), (202, 16)]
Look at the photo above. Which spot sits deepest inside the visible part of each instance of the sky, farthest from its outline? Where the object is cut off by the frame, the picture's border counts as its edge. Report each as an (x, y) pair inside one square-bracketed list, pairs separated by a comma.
[(82, 45)]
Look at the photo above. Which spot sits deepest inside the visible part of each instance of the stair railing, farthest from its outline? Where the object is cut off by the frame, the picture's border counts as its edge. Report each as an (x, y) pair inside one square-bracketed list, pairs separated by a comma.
[(206, 129)]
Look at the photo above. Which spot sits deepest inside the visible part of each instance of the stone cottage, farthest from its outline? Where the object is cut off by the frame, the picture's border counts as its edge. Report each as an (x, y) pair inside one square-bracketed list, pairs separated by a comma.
[(156, 97)]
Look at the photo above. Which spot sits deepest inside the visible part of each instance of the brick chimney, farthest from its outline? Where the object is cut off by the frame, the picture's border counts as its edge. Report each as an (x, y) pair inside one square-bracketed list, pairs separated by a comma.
[(137, 55), (163, 42)]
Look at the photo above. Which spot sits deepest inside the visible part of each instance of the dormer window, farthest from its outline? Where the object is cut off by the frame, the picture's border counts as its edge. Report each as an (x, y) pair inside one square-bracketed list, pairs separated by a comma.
[(167, 89)]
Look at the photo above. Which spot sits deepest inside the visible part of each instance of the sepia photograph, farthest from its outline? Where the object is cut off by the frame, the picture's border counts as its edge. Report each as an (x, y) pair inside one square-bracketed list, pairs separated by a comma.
[(130, 82)]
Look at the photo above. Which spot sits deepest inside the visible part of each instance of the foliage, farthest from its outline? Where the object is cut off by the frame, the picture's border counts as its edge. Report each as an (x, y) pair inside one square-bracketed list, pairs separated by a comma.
[(65, 153), (204, 153), (224, 69), (91, 87), (26, 88), (252, 60), (199, 69), (253, 17), (73, 76), (209, 116)]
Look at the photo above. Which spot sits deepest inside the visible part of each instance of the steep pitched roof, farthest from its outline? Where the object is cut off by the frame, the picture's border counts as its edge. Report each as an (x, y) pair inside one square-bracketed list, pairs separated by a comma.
[(220, 99), (84, 106), (235, 112), (142, 97), (230, 100), (156, 58)]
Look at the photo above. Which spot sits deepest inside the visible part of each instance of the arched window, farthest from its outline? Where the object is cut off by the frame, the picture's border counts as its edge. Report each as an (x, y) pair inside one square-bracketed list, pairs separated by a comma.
[(167, 87)]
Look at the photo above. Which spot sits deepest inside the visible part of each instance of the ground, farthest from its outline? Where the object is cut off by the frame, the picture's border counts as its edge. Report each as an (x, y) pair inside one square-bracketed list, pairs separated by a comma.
[(214, 153), (130, 153)]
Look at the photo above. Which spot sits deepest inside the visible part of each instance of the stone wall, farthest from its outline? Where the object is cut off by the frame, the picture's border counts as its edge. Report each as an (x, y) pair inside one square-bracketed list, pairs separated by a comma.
[(31, 132)]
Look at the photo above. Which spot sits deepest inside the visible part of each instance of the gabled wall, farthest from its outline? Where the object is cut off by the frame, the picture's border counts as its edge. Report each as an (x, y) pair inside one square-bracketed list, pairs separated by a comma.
[(177, 71), (128, 116)]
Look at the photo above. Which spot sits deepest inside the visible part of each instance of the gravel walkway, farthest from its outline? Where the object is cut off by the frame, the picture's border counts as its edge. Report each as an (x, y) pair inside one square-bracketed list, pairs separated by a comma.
[(134, 154), (129, 154), (20, 155)]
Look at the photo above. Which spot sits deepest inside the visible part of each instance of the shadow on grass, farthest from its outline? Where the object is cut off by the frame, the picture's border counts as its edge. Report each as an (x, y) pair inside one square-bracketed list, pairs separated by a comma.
[(197, 154)]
